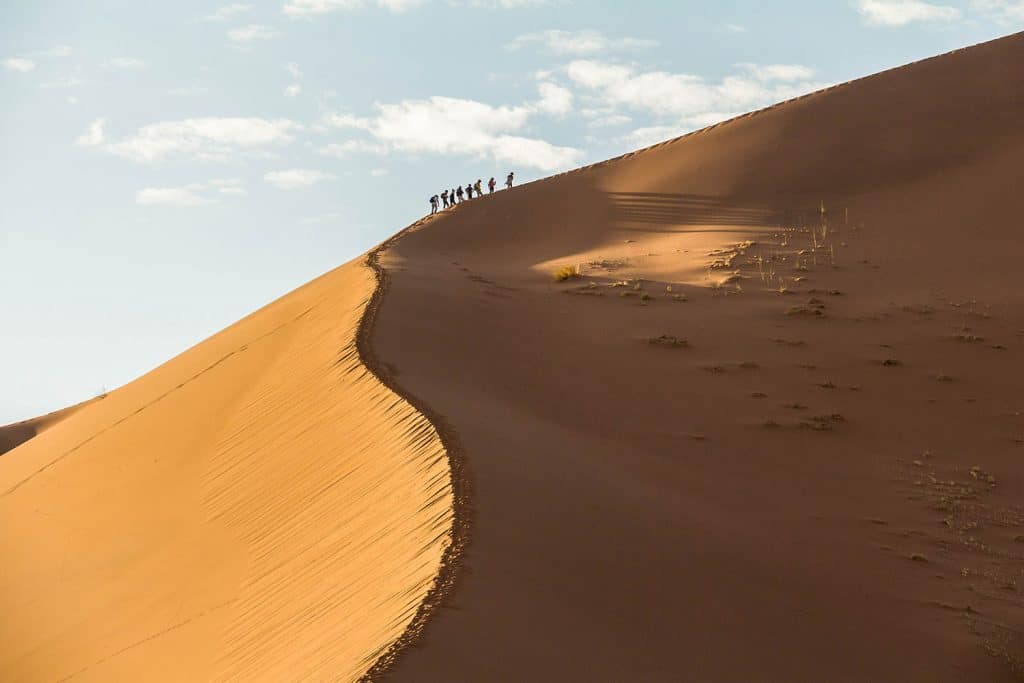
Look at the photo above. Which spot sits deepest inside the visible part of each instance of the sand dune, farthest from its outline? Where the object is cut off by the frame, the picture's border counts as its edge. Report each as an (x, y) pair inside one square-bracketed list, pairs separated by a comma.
[(19, 432), (260, 507), (772, 432)]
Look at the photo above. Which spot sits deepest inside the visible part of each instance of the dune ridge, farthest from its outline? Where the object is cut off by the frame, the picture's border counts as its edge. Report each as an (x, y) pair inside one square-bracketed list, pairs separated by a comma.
[(17, 433), (772, 429), (261, 507)]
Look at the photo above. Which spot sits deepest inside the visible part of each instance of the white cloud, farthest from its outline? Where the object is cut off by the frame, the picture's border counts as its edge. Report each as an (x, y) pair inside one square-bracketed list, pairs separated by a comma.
[(554, 99), (400, 5), (93, 135), (292, 90), (293, 70), (688, 98), (1003, 11), (500, 4), (228, 11), (344, 149), (577, 42), (305, 8), (309, 8), (649, 135), (204, 139), (734, 28), (66, 82), (193, 194), (295, 178), (251, 33), (903, 12), (378, 172), (232, 186), (779, 72), (56, 51), (170, 196), (19, 64), (451, 126), (128, 63), (681, 103)]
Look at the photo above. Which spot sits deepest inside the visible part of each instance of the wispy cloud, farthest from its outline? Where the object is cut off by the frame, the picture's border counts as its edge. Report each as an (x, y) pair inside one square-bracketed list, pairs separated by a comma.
[(227, 11), (93, 135), (452, 126), (295, 178), (685, 102), (1002, 11), (554, 99), (19, 64), (55, 51), (205, 139), (292, 90), (347, 148), (244, 35), (584, 42), (128, 63), (194, 194), (310, 8), (903, 12)]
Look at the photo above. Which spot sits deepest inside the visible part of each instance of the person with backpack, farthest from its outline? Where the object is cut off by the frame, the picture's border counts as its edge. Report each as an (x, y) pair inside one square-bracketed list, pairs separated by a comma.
[(444, 199), (458, 192), (490, 185), (433, 205), (508, 181), (469, 190), (478, 189)]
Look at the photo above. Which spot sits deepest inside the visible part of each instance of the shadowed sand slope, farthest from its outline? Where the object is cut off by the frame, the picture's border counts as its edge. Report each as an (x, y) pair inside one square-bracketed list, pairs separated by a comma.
[(774, 432), (258, 508)]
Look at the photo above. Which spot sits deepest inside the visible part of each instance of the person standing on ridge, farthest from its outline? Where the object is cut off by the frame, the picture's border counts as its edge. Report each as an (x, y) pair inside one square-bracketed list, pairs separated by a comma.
[(508, 181), (491, 184), (469, 190), (433, 205), (444, 199), (459, 193), (478, 189)]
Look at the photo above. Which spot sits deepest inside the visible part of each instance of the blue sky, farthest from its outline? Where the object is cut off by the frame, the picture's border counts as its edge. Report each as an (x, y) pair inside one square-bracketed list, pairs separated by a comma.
[(169, 167)]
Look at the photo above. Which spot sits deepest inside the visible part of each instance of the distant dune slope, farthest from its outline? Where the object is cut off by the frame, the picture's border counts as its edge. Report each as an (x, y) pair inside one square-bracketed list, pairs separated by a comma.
[(258, 508), (774, 431), (18, 433)]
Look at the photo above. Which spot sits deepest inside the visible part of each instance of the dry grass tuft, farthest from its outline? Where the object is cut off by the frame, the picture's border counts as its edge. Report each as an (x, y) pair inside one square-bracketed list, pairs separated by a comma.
[(669, 341), (567, 273)]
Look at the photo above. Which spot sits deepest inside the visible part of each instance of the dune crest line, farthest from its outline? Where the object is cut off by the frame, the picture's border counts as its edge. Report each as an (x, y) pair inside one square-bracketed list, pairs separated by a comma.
[(447, 574), (267, 472)]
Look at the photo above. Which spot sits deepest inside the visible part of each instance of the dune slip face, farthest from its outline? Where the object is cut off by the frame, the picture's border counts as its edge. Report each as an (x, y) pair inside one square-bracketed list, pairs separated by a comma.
[(261, 507), (767, 424)]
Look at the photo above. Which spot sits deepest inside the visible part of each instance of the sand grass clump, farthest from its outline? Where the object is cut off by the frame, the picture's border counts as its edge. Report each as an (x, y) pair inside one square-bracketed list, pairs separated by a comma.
[(567, 273)]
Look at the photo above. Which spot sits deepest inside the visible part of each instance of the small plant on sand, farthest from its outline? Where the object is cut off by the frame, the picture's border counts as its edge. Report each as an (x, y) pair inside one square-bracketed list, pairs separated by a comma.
[(567, 273), (669, 341)]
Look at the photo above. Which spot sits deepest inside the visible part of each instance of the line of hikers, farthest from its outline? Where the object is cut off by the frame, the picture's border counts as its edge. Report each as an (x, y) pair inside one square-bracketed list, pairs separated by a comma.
[(457, 195)]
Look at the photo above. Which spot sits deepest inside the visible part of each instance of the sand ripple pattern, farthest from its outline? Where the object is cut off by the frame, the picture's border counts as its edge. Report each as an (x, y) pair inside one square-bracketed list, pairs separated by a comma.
[(259, 508)]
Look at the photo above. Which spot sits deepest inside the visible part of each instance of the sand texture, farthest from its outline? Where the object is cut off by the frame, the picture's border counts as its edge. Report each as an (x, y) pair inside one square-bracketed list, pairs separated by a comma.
[(768, 429), (774, 430), (259, 508)]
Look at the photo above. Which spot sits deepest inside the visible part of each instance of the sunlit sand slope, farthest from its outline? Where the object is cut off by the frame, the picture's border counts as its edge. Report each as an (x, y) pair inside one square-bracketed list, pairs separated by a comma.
[(259, 508), (18, 433)]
